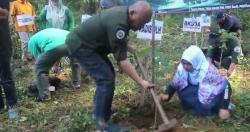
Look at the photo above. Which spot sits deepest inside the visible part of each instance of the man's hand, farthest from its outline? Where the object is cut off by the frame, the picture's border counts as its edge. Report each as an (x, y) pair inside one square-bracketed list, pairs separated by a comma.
[(146, 85), (231, 69), (229, 73), (128, 69), (3, 13)]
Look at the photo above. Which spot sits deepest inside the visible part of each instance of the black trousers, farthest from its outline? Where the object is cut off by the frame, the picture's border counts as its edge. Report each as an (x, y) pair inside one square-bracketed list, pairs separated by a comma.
[(225, 60), (6, 81)]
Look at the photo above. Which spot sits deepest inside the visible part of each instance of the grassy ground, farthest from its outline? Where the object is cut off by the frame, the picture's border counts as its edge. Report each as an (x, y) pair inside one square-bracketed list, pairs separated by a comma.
[(69, 109)]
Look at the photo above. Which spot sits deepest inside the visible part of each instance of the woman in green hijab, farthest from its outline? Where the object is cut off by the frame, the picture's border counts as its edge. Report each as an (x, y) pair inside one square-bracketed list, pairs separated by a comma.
[(56, 15)]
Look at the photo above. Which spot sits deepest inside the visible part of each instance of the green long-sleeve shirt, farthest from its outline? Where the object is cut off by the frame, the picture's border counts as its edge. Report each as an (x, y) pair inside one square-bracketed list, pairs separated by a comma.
[(103, 33), (230, 45), (46, 40)]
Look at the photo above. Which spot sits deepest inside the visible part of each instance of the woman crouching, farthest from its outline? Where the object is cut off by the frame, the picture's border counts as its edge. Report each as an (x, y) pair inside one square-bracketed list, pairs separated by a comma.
[(200, 87)]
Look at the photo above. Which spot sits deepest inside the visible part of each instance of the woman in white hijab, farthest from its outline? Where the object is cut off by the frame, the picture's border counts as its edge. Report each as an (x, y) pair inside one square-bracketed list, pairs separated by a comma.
[(200, 87), (56, 15)]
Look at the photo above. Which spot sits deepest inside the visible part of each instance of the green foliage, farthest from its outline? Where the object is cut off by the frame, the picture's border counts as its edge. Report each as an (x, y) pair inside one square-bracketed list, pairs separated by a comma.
[(77, 120), (89, 1), (244, 105), (66, 112)]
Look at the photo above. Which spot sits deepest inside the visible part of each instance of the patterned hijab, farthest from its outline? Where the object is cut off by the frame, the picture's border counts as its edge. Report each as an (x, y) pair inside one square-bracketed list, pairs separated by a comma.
[(204, 74)]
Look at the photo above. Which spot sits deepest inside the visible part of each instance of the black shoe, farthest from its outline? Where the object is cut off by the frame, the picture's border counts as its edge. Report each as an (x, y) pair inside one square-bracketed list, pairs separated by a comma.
[(43, 99), (113, 112), (76, 86), (33, 88), (111, 127)]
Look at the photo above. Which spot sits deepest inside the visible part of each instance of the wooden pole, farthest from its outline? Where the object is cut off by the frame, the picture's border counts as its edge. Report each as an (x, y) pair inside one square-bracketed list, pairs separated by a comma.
[(153, 64)]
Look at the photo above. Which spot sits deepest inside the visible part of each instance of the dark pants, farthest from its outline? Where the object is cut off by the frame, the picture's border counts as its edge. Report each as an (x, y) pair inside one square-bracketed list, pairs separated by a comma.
[(44, 63), (6, 81), (225, 60), (101, 70), (190, 100)]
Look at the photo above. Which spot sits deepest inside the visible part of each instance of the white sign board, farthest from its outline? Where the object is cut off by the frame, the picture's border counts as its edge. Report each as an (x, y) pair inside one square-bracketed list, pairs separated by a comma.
[(192, 25), (146, 31), (205, 21), (25, 20)]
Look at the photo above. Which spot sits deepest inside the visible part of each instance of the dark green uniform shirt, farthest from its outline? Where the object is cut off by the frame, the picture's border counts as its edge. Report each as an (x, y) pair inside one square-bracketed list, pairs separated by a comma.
[(103, 33), (231, 47)]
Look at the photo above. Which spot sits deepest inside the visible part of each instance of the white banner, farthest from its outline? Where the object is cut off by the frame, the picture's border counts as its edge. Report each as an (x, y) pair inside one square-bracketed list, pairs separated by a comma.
[(25, 20), (205, 21), (192, 25), (146, 31)]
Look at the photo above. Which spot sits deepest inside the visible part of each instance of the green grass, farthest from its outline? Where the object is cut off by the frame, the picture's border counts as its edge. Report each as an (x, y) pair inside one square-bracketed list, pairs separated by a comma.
[(70, 109)]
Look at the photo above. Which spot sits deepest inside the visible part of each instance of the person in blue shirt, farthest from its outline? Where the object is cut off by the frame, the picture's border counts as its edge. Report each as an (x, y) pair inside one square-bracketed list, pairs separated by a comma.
[(229, 23)]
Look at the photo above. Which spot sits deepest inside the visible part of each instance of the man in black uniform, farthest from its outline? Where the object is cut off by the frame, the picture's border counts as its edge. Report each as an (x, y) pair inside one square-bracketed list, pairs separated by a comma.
[(6, 81), (100, 35), (229, 23)]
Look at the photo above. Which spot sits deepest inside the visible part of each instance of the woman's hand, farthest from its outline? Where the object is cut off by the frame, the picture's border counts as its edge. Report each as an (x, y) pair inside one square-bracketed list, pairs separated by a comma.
[(163, 97)]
